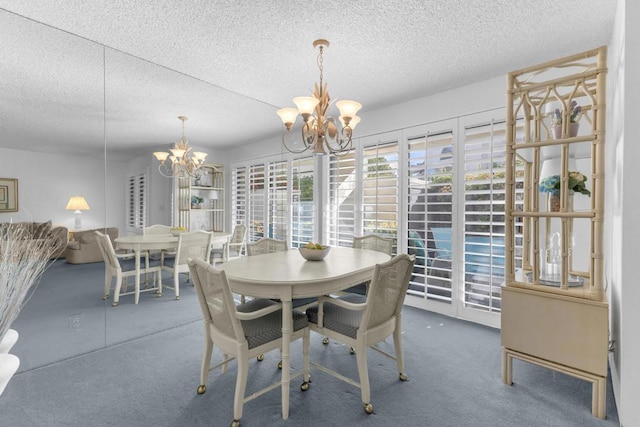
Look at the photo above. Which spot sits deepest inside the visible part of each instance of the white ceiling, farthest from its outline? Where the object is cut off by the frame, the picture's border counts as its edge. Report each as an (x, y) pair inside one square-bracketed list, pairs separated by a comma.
[(230, 64)]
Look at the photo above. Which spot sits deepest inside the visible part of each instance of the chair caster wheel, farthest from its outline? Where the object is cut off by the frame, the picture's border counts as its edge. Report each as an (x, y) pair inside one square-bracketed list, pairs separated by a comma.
[(202, 388), (280, 364), (158, 295), (403, 377), (260, 357), (106, 297), (325, 341), (177, 298), (368, 408), (115, 304), (304, 386), (352, 350), (235, 423)]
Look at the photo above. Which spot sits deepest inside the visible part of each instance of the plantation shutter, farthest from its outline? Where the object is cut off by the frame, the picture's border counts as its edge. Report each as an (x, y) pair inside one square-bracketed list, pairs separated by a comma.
[(341, 212), (484, 220), (302, 203), (256, 205), (277, 199), (430, 213), (239, 196), (380, 191), (137, 201)]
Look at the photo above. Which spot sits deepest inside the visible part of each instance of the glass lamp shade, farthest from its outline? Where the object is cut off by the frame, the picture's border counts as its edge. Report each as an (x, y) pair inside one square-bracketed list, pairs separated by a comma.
[(288, 115), (352, 124), (306, 104), (177, 152), (161, 155), (348, 108), (200, 156)]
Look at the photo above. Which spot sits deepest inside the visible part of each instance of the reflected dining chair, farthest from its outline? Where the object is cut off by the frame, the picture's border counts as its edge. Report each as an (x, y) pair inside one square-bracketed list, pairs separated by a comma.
[(266, 245), (242, 331), (158, 229), (362, 325), (122, 266), (196, 245), (235, 248)]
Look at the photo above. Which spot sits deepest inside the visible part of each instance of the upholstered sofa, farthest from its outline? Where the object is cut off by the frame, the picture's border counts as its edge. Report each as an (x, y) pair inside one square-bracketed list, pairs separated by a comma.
[(56, 236), (84, 246)]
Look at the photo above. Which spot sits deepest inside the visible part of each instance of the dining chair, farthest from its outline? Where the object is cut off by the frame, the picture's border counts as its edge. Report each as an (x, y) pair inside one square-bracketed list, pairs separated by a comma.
[(235, 248), (241, 331), (266, 245), (374, 243), (122, 266), (362, 325), (196, 245), (158, 229)]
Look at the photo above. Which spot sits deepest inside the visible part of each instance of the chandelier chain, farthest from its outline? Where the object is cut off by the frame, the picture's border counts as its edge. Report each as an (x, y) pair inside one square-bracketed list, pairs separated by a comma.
[(320, 65)]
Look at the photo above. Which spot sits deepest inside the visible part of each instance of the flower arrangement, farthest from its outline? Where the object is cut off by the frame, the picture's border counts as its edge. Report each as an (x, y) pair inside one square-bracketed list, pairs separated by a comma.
[(196, 200), (577, 183), (575, 111)]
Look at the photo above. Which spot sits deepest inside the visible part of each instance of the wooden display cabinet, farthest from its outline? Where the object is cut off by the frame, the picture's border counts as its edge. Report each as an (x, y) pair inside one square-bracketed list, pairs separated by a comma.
[(554, 308), (200, 200)]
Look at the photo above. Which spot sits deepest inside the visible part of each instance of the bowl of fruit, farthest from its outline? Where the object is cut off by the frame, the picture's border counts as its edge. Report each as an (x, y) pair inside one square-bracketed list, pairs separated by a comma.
[(314, 251), (176, 231)]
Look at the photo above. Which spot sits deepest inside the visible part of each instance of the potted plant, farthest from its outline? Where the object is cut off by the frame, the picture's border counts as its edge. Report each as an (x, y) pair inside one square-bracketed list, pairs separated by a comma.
[(556, 120), (577, 184), (196, 202)]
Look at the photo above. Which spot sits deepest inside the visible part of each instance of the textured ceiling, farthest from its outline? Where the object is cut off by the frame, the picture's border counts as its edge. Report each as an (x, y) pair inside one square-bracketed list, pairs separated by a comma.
[(229, 65)]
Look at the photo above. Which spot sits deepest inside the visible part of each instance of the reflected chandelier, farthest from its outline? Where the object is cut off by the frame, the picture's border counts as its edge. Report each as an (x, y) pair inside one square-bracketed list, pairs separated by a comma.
[(183, 162), (320, 132)]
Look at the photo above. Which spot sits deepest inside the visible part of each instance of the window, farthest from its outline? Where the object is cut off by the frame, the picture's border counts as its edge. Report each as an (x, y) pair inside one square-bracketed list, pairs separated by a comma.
[(278, 200), (380, 189), (239, 196), (341, 209), (484, 220), (137, 200), (430, 213), (256, 198), (302, 203)]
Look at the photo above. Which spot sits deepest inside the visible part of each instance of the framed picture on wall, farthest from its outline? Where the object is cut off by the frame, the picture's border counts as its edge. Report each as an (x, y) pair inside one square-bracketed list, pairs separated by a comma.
[(8, 195)]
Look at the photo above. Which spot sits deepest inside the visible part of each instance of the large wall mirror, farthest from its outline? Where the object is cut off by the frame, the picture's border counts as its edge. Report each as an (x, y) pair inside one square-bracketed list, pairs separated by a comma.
[(79, 118)]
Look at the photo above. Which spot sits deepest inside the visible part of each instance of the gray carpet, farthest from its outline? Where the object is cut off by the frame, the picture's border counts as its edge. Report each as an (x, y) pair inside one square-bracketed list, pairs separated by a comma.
[(144, 378)]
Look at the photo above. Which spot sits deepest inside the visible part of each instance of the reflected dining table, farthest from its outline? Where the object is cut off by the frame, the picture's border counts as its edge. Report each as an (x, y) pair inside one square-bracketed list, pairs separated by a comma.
[(155, 242), (287, 276)]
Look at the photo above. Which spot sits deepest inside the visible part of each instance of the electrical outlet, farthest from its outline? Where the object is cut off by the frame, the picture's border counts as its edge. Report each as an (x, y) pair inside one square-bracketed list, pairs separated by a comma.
[(75, 321)]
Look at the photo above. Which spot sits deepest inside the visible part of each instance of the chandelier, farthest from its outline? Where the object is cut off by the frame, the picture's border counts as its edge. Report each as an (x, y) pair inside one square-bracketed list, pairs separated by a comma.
[(320, 132), (183, 162)]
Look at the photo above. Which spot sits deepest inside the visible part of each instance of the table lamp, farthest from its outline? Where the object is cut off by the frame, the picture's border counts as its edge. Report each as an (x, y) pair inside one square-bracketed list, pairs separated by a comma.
[(77, 204)]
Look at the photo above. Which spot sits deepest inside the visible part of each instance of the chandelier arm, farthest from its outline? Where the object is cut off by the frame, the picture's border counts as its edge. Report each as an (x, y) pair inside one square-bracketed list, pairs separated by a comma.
[(284, 143)]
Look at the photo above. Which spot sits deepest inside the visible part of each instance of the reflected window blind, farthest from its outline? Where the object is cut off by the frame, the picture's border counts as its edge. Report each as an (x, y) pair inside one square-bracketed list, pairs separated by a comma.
[(340, 217), (302, 203), (380, 190), (137, 201), (277, 199)]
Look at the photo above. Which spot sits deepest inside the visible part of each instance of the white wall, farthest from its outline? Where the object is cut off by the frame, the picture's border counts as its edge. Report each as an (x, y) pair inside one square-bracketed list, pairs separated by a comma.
[(46, 181), (622, 225)]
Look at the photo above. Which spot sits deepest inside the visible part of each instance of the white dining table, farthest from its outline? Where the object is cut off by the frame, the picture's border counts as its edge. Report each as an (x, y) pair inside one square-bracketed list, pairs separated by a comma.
[(287, 275), (151, 242)]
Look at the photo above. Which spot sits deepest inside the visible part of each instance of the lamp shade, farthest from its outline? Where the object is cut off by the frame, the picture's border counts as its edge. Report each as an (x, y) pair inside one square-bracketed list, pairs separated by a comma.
[(77, 203), (348, 108), (551, 167)]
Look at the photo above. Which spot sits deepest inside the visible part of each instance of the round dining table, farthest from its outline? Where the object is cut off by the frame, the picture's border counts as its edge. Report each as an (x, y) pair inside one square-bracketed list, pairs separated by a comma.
[(155, 242), (287, 276)]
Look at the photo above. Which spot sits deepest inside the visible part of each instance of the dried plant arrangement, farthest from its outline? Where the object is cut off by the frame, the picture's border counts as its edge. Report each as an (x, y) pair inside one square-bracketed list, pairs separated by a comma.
[(23, 259)]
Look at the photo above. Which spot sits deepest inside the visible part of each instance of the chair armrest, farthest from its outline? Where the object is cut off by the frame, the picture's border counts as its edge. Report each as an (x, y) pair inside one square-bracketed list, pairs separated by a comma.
[(342, 303), (258, 313)]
